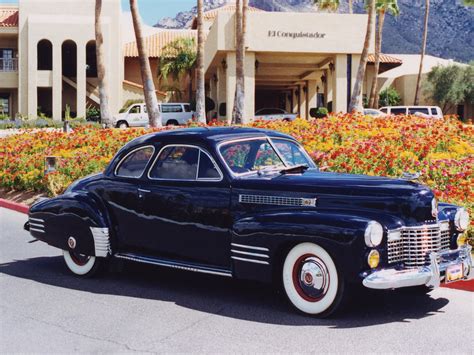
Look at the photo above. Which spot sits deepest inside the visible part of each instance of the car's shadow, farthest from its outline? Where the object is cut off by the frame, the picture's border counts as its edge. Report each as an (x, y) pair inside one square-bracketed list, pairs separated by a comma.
[(226, 297)]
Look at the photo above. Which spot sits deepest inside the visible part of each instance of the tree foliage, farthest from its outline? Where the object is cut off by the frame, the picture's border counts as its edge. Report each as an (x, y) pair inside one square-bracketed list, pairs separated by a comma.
[(450, 85), (389, 97)]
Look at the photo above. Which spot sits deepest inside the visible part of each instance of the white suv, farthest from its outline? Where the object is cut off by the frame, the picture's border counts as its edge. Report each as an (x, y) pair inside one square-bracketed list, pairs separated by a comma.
[(171, 114), (422, 111)]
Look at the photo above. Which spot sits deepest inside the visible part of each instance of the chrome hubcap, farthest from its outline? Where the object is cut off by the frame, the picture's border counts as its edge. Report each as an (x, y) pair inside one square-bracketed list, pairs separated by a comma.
[(311, 278)]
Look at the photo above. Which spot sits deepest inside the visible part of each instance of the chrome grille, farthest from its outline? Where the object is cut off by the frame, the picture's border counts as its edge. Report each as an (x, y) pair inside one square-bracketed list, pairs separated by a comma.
[(414, 244), (277, 200)]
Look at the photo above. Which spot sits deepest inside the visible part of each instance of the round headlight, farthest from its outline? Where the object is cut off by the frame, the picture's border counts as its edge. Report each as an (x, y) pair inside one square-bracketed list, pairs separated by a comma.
[(373, 234), (461, 220)]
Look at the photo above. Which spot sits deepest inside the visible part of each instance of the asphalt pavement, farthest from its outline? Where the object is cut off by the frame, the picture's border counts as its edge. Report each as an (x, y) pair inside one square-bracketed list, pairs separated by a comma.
[(146, 309)]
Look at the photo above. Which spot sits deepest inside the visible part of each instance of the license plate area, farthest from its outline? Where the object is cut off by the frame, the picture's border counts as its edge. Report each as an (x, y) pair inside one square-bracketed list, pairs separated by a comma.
[(454, 273)]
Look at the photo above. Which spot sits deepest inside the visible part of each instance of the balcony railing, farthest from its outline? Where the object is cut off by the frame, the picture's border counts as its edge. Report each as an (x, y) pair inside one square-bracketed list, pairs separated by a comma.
[(8, 65)]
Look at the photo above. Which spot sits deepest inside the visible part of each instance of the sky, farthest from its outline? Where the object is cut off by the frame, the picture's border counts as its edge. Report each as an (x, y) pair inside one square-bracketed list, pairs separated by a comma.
[(151, 10)]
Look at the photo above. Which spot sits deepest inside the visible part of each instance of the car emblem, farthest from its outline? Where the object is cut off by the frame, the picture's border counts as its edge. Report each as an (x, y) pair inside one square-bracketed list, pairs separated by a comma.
[(71, 242)]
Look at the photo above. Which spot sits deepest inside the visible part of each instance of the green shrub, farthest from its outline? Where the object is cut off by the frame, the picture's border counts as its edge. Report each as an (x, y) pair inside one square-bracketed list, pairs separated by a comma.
[(389, 97), (128, 103)]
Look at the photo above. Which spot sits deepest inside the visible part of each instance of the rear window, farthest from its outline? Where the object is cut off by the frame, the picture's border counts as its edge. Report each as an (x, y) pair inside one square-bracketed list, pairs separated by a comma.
[(398, 111), (413, 110)]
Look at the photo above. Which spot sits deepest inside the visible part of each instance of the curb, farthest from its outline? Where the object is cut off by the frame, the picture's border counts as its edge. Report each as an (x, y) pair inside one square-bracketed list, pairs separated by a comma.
[(15, 206)]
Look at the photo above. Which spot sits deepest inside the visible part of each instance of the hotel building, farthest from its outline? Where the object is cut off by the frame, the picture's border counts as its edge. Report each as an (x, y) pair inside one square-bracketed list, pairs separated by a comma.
[(294, 61)]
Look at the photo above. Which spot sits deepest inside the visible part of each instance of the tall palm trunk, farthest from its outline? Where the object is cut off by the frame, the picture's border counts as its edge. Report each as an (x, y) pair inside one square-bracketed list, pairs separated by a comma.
[(355, 104), (147, 78), (423, 51), (350, 7), (200, 88), (239, 99), (374, 96), (106, 118)]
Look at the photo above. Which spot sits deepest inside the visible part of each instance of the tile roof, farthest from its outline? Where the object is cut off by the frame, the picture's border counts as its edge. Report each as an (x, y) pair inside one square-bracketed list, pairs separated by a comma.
[(156, 42), (8, 16), (212, 14), (385, 59)]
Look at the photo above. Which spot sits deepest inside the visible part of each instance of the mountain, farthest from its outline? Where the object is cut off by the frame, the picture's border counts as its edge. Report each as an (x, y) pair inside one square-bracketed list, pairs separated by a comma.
[(450, 32)]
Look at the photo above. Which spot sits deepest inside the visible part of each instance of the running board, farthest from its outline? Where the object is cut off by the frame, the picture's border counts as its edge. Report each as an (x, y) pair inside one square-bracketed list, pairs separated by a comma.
[(173, 264)]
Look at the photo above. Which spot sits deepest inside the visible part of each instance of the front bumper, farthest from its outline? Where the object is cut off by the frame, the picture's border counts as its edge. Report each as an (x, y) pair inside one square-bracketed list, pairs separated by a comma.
[(430, 275)]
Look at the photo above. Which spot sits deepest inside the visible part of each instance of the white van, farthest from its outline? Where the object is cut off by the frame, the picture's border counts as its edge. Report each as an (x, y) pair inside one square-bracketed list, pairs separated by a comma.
[(171, 114), (422, 111)]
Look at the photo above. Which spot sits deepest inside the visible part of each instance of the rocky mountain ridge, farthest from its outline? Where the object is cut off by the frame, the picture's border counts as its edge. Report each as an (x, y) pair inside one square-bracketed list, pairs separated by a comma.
[(450, 35)]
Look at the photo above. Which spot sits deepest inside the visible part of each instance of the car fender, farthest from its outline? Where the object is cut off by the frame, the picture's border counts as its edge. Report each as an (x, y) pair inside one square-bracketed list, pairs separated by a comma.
[(340, 233), (73, 221)]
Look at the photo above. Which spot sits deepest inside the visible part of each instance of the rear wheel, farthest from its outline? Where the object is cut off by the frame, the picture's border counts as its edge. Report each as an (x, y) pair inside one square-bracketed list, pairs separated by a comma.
[(172, 123), (311, 281), (80, 264), (122, 124)]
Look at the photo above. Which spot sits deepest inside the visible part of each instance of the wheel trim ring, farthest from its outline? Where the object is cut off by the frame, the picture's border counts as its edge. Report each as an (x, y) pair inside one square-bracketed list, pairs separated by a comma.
[(79, 259), (296, 276)]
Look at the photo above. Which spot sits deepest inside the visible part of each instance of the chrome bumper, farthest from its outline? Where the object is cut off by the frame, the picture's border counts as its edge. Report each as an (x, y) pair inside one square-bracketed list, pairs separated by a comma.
[(429, 275)]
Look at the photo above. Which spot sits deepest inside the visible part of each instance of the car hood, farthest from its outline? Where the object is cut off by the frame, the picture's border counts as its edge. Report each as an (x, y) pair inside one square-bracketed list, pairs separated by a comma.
[(409, 201)]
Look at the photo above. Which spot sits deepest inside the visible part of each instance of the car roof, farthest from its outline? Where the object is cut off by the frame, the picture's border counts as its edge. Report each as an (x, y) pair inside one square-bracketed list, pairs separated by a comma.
[(205, 134)]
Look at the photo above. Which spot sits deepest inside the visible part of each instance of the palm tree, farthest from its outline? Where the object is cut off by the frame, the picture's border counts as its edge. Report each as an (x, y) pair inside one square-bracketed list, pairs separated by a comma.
[(106, 118), (240, 28), (382, 7), (200, 87), (177, 60), (355, 104), (350, 7), (149, 91), (423, 51), (330, 5)]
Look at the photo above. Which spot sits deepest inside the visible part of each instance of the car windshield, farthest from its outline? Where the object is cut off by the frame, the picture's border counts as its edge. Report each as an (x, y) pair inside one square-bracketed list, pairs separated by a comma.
[(259, 155)]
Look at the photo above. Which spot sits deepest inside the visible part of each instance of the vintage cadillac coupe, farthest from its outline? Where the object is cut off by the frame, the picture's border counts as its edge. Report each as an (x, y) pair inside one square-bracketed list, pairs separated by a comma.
[(251, 204)]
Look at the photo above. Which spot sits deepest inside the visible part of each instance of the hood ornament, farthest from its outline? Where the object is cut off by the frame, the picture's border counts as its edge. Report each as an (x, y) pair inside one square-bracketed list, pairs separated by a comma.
[(410, 176)]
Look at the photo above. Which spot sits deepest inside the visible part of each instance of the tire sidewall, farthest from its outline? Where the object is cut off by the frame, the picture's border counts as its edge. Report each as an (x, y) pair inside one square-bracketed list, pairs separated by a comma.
[(80, 270), (331, 299)]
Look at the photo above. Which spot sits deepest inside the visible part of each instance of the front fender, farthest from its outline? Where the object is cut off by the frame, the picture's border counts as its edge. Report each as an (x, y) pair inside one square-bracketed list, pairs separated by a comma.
[(340, 233), (77, 215)]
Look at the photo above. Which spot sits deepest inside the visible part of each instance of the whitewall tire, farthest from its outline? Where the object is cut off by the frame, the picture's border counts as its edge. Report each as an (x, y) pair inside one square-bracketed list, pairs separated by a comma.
[(311, 281), (81, 265)]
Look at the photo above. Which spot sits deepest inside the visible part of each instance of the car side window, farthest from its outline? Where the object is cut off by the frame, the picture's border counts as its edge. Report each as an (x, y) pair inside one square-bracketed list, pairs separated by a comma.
[(384, 110), (290, 152), (176, 163), (207, 168), (135, 109), (187, 108), (413, 110), (398, 111), (171, 108), (134, 163)]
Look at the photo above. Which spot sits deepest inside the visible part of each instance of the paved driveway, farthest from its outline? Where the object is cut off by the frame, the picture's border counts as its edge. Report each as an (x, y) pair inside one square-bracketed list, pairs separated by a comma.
[(147, 309)]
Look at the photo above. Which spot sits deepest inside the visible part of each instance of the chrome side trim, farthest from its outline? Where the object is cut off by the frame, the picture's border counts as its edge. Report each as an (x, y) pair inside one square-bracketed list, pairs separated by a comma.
[(37, 230), (250, 260), (37, 225), (101, 241), (249, 246), (172, 264), (277, 200), (36, 219), (251, 254)]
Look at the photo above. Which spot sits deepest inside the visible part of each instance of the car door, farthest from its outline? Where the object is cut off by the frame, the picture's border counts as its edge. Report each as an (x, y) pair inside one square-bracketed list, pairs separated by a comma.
[(144, 121), (187, 207), (134, 116), (122, 195)]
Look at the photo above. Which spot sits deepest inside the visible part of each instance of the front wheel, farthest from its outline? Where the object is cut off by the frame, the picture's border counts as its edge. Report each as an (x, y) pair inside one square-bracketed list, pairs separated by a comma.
[(311, 281), (80, 264)]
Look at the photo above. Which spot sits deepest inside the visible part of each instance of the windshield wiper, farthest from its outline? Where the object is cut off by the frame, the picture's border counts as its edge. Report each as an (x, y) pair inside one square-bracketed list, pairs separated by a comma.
[(263, 170), (295, 169)]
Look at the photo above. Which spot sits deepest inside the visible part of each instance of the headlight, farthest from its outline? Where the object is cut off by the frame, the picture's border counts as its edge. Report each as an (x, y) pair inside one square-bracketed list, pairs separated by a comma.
[(461, 220), (373, 234)]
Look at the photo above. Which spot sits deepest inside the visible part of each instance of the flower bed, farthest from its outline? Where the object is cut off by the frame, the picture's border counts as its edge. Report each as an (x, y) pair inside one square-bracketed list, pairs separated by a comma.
[(442, 150)]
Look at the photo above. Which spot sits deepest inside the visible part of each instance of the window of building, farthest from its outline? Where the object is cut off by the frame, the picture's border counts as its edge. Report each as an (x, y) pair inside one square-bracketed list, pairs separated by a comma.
[(4, 104), (45, 55), (135, 162), (91, 60)]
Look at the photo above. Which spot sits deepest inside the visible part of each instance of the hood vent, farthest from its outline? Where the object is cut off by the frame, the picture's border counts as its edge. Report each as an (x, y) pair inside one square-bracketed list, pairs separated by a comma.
[(277, 200)]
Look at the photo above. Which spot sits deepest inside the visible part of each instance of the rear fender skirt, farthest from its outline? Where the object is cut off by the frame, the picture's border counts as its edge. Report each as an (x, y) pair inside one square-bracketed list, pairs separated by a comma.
[(260, 242)]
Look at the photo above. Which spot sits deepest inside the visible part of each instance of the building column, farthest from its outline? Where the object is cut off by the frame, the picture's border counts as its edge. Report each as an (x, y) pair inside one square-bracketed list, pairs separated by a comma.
[(354, 69), (81, 81), (57, 81), (339, 83), (312, 95), (32, 91), (302, 101), (294, 100), (249, 70), (230, 84), (221, 89)]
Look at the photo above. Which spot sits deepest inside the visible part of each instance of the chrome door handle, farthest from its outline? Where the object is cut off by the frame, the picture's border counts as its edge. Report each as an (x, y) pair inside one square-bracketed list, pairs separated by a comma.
[(143, 190)]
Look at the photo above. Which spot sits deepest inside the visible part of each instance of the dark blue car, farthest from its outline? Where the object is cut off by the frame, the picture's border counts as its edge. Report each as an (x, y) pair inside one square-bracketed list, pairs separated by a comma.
[(251, 204)]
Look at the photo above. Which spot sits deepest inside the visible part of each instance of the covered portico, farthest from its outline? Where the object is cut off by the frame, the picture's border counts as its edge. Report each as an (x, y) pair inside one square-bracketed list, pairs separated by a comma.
[(294, 61)]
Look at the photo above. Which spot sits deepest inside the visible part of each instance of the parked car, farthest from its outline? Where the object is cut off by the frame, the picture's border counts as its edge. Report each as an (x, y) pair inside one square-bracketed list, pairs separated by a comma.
[(374, 112), (270, 114), (422, 111), (251, 204), (171, 114)]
